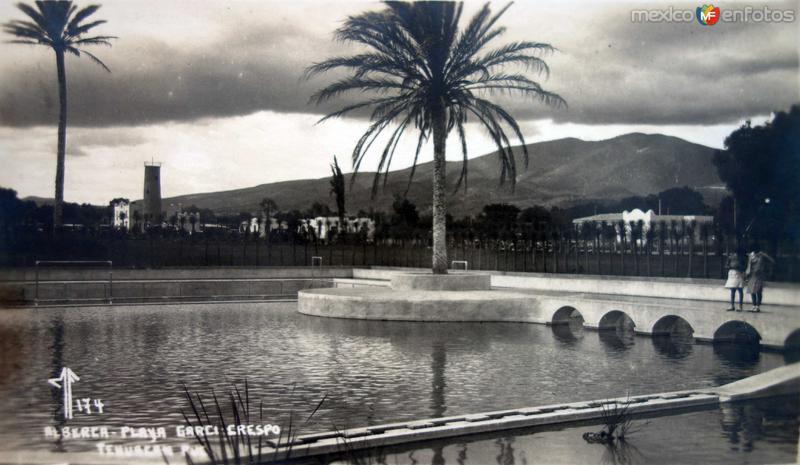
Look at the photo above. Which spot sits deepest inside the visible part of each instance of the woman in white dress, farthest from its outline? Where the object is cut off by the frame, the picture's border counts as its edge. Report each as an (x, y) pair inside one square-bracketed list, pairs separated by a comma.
[(735, 280)]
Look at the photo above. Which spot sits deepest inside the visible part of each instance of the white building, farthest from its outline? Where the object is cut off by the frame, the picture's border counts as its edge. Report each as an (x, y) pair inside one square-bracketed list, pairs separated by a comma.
[(258, 224), (122, 214), (649, 220), (323, 226)]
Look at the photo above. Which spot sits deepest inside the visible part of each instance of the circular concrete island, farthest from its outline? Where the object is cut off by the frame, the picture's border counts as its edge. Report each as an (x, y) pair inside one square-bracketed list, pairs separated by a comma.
[(420, 297), (441, 282)]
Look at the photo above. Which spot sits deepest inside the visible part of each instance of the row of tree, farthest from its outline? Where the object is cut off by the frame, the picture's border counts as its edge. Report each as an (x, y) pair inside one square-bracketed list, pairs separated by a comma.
[(403, 221)]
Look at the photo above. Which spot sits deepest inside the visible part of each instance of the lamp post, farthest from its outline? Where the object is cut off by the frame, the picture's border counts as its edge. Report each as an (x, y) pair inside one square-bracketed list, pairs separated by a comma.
[(755, 215)]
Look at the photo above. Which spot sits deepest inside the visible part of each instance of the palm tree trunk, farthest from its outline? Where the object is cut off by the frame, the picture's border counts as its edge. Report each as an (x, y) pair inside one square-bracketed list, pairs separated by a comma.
[(58, 206), (439, 192)]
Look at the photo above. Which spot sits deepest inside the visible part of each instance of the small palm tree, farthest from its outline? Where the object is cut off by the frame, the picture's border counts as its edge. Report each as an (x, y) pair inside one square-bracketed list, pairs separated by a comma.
[(609, 236), (426, 73), (705, 234), (587, 234), (338, 188), (623, 238), (649, 236), (675, 234), (598, 244), (60, 25), (268, 208), (690, 234), (663, 235)]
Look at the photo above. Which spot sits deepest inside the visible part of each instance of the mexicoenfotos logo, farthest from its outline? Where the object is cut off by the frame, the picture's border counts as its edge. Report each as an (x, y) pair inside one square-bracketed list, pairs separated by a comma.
[(707, 15)]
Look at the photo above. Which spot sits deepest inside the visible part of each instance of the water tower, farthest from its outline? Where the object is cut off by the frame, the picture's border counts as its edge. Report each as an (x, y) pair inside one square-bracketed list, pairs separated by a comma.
[(152, 193)]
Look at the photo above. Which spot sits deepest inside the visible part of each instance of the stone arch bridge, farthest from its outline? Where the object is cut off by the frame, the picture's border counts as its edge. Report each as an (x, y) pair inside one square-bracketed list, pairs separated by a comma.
[(654, 306)]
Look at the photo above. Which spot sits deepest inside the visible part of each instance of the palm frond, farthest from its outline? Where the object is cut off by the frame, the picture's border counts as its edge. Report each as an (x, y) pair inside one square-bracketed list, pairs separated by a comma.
[(464, 158), (36, 16), (95, 59), (20, 41), (81, 15), (97, 40), (417, 64), (84, 28), (58, 24), (361, 84), (423, 137), (386, 158)]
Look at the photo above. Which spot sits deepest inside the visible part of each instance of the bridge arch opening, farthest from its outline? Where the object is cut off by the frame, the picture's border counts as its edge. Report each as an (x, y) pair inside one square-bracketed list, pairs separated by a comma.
[(616, 320), (738, 332), (673, 326), (673, 337), (567, 315), (791, 347), (616, 330), (567, 324)]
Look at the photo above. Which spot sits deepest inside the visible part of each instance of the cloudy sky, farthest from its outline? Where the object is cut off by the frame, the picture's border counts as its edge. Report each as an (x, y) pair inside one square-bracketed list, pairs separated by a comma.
[(212, 89)]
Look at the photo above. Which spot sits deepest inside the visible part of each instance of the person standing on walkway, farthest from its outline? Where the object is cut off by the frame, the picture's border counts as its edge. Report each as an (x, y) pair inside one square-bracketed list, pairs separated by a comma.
[(756, 274), (735, 280)]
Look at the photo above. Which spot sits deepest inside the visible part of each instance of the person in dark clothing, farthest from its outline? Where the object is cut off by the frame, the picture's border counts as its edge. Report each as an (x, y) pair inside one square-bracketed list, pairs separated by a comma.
[(756, 274)]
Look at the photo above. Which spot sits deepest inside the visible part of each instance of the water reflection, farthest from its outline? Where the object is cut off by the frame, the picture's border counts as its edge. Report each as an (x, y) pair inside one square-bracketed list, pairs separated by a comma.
[(56, 364), (762, 431), (135, 358), (438, 385), (791, 355), (568, 333), (622, 453), (792, 347), (741, 356), (461, 456), (744, 424), (506, 450), (12, 350), (438, 379), (739, 426), (671, 347), (617, 339)]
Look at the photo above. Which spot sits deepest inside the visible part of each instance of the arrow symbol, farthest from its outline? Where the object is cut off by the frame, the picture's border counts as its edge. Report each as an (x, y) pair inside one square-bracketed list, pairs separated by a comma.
[(64, 382)]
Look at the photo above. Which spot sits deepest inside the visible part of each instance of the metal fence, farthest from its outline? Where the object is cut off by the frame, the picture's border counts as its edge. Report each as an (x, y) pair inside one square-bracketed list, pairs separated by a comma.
[(551, 256)]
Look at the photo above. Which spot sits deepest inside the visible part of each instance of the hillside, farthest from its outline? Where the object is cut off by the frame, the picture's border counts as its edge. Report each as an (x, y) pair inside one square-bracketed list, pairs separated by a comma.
[(561, 172)]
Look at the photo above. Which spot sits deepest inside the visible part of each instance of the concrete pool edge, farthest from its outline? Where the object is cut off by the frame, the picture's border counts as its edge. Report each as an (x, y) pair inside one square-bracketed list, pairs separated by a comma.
[(779, 381), (708, 320)]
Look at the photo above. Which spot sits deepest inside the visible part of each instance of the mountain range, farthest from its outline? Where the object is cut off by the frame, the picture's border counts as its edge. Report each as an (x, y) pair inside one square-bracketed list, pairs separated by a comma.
[(561, 172)]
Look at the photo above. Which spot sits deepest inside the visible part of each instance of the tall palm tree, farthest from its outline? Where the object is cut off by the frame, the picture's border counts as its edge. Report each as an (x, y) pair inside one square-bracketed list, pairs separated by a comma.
[(60, 25), (423, 71)]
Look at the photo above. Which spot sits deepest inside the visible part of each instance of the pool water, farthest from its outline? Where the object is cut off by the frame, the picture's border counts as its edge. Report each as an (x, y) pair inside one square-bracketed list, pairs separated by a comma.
[(136, 360), (760, 431)]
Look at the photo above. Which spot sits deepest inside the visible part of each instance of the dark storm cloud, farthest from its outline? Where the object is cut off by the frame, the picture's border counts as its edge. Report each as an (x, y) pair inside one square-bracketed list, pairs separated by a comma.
[(152, 82), (611, 71), (684, 73)]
